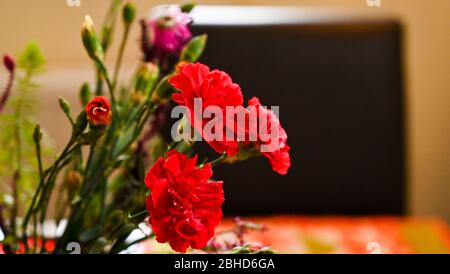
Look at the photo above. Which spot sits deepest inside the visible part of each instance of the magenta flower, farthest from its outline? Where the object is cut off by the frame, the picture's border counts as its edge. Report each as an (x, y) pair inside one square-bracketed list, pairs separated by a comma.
[(10, 65), (166, 33)]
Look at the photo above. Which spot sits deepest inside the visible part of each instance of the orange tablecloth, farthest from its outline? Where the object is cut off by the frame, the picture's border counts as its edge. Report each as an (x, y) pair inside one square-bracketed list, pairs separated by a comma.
[(295, 234)]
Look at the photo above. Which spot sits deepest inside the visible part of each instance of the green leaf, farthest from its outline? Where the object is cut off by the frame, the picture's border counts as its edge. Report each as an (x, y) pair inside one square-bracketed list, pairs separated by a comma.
[(123, 142), (99, 246), (163, 90), (80, 124), (120, 243), (194, 49)]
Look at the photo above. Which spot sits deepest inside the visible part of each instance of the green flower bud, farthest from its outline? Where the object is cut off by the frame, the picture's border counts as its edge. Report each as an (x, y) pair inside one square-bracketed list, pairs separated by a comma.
[(37, 134), (194, 49), (163, 91), (90, 40), (85, 94), (72, 181), (187, 7), (129, 13), (64, 105), (107, 35), (146, 78)]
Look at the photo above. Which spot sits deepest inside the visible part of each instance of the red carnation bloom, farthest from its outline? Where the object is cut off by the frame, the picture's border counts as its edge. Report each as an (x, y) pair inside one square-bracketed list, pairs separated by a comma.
[(98, 111), (184, 206), (278, 150), (215, 88)]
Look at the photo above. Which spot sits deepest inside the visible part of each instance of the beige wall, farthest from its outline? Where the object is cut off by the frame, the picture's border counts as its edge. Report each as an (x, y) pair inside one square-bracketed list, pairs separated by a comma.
[(56, 27)]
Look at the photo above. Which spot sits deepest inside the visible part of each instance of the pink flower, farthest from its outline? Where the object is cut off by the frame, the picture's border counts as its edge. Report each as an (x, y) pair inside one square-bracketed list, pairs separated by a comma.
[(9, 63), (168, 33)]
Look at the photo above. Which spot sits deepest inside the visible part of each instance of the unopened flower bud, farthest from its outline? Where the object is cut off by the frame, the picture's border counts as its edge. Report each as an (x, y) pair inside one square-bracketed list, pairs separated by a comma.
[(129, 13), (187, 7), (9, 63), (37, 134), (73, 179), (64, 105), (146, 78), (163, 91), (137, 97), (85, 94), (90, 40)]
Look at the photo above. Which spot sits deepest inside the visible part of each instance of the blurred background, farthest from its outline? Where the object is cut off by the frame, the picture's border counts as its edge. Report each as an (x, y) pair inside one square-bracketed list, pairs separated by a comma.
[(56, 27)]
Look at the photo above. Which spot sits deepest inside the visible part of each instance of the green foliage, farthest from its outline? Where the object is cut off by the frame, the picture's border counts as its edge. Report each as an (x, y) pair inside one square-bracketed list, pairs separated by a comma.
[(109, 24), (194, 49), (102, 196), (31, 60), (17, 150)]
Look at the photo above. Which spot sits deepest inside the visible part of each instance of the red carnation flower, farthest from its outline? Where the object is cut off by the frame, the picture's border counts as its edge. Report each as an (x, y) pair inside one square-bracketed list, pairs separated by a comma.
[(184, 206), (215, 88), (277, 150), (98, 111)]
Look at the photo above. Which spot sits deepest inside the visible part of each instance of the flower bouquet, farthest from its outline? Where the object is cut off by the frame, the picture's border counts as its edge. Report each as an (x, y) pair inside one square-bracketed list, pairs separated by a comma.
[(117, 170)]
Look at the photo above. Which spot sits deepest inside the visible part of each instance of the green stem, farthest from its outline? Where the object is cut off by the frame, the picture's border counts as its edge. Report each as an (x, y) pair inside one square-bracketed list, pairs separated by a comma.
[(35, 236), (115, 230), (151, 235), (99, 85), (139, 214), (98, 169), (2, 222), (120, 56), (41, 176), (39, 159), (104, 72), (42, 190), (108, 23), (18, 139), (103, 189), (90, 157), (218, 160), (48, 189)]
